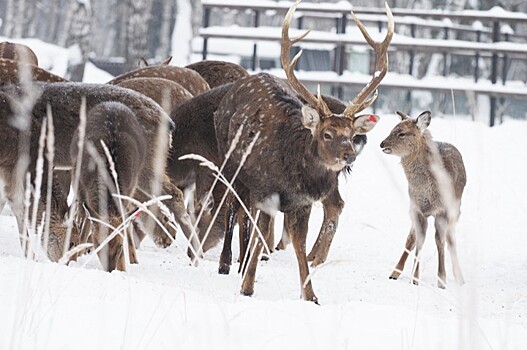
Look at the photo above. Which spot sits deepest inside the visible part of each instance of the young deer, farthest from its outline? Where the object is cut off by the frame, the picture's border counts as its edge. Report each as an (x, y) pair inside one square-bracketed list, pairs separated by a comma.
[(65, 102), (436, 179), (115, 125), (185, 77), (12, 72), (297, 149)]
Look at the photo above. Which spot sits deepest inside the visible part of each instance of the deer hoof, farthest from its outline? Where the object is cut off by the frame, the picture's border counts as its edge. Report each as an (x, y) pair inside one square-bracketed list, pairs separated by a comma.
[(265, 257), (395, 275), (247, 293), (224, 269)]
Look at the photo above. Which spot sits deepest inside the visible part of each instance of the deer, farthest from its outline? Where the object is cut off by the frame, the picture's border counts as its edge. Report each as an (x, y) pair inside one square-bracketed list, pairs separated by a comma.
[(166, 93), (113, 126), (18, 52), (218, 73), (277, 124), (187, 78), (64, 100), (436, 178), (12, 72)]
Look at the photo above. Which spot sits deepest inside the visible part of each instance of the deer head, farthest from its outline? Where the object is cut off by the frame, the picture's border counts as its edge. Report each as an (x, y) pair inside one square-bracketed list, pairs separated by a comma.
[(405, 138), (335, 132)]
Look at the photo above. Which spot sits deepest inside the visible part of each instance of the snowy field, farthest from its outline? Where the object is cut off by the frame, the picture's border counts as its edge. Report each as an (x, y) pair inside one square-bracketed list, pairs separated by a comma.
[(165, 303)]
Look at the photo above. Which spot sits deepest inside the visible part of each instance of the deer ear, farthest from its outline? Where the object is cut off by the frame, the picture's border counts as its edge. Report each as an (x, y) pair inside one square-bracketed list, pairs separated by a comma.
[(142, 63), (364, 123), (423, 120), (310, 118), (402, 115)]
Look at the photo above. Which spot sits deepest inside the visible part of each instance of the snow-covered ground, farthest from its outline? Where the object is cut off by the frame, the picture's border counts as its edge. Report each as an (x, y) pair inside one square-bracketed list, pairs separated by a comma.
[(165, 303)]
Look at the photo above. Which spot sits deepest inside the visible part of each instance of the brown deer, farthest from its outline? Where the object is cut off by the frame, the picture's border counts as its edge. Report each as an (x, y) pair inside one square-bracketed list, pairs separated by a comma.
[(218, 73), (10, 73), (297, 149), (18, 52), (185, 77), (115, 125), (65, 102), (166, 93), (436, 179)]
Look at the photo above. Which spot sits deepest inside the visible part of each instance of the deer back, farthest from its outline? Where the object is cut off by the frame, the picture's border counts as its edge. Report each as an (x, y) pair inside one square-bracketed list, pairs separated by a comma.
[(187, 78), (218, 73), (166, 93), (13, 72), (117, 126), (194, 133), (18, 52)]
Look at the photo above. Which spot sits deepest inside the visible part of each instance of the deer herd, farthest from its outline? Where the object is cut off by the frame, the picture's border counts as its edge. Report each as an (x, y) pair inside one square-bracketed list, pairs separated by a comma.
[(132, 148)]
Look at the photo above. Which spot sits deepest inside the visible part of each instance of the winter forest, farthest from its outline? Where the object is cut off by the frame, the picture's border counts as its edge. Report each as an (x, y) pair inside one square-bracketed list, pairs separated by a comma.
[(172, 176)]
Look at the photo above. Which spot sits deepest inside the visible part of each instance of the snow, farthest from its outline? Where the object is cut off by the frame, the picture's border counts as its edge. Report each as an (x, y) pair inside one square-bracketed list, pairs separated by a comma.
[(165, 303)]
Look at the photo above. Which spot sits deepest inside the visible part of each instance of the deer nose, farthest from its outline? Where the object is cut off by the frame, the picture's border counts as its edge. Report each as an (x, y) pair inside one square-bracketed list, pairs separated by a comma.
[(382, 144), (349, 158)]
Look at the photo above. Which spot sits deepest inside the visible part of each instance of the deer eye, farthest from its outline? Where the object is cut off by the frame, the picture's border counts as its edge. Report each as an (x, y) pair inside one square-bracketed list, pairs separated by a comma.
[(401, 135), (328, 136)]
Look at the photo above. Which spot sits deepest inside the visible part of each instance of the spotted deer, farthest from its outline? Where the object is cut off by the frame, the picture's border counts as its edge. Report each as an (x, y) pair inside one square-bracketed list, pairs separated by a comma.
[(18, 52), (166, 93), (185, 77), (113, 126), (64, 100), (436, 179), (297, 149), (10, 73)]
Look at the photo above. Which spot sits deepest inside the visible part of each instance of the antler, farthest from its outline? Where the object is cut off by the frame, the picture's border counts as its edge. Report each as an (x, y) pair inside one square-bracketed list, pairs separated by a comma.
[(317, 103), (360, 102)]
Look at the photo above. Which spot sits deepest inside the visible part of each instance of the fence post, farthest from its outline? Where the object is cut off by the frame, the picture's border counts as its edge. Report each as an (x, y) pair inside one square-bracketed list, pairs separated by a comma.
[(206, 23), (254, 61), (340, 55), (445, 54), (411, 67), (476, 63), (494, 72)]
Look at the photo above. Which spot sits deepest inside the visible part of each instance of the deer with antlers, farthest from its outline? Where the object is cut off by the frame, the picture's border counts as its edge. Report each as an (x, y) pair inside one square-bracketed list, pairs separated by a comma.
[(297, 149)]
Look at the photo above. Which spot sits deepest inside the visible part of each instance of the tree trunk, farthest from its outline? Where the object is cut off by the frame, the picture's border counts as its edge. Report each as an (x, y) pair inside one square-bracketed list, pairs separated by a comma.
[(137, 29)]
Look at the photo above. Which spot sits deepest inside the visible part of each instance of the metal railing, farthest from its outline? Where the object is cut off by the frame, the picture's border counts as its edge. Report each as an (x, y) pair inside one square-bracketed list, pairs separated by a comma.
[(499, 45)]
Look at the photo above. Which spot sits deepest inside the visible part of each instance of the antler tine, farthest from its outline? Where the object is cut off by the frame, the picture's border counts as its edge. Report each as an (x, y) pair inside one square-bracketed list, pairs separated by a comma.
[(360, 102), (317, 103)]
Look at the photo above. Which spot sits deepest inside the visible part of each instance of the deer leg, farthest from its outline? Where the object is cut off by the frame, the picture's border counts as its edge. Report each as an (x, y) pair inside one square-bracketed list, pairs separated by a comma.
[(226, 253), (254, 256), (440, 226), (420, 225), (244, 224), (285, 240), (297, 226), (451, 241), (408, 247), (269, 241), (333, 205), (132, 253), (111, 255)]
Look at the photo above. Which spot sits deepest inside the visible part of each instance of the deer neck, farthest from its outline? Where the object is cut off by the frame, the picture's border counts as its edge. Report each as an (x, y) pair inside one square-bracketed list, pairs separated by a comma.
[(417, 162)]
